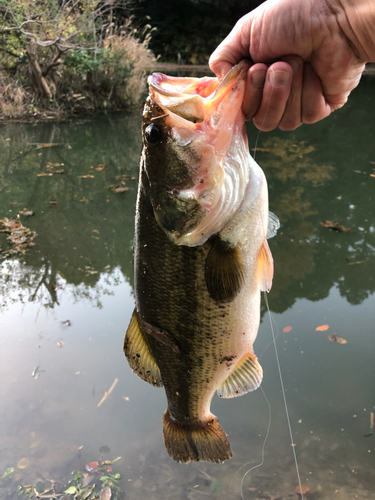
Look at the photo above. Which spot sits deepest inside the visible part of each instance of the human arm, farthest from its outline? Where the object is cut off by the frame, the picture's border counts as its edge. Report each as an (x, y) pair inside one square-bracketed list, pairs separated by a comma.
[(308, 56)]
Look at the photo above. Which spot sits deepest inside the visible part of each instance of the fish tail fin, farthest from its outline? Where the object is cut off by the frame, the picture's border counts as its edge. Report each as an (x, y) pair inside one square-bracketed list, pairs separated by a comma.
[(205, 443)]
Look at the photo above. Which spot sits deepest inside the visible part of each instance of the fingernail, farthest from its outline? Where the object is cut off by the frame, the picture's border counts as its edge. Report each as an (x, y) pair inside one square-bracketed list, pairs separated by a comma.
[(279, 78), (258, 78)]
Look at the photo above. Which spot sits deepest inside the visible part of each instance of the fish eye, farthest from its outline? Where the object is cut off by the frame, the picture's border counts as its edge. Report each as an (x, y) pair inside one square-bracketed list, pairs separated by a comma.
[(152, 133)]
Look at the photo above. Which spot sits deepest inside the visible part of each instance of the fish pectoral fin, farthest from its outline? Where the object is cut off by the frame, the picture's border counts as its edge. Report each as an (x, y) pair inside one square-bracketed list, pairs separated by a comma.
[(224, 270), (246, 377), (206, 442), (273, 225), (138, 353), (265, 267)]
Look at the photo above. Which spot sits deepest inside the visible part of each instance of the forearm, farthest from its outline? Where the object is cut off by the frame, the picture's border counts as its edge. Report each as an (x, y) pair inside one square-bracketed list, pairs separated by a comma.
[(357, 20)]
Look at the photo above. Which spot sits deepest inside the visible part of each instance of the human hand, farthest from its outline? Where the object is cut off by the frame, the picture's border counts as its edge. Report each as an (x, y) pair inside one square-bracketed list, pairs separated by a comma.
[(305, 63)]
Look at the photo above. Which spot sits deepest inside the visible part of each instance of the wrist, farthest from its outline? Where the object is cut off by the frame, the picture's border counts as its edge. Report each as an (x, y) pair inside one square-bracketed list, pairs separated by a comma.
[(357, 21)]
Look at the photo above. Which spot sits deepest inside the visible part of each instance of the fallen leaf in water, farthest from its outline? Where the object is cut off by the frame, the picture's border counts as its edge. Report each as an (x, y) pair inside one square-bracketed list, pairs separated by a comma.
[(23, 463), (26, 213), (372, 175), (336, 227), (322, 328), (336, 338), (287, 329), (302, 490), (106, 395), (120, 190), (46, 144), (92, 466), (71, 490), (106, 493), (8, 471), (87, 176), (19, 236), (87, 479)]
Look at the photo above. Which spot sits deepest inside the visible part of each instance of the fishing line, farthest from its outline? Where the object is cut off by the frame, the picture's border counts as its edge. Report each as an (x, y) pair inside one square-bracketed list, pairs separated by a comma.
[(278, 366), (285, 402), (263, 447)]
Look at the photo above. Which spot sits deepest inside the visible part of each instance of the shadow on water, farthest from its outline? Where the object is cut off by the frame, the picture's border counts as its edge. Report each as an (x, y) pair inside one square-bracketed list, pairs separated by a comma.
[(65, 304)]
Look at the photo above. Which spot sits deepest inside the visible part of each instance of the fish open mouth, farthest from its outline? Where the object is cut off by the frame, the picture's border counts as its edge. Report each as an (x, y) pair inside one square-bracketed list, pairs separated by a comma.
[(205, 115)]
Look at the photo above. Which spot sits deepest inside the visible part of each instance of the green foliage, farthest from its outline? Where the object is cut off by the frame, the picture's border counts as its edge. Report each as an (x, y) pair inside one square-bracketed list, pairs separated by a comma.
[(71, 55), (84, 61)]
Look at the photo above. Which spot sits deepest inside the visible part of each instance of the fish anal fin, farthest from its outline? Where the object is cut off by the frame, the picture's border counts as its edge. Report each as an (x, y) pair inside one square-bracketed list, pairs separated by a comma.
[(206, 442), (224, 270), (246, 377), (265, 267), (138, 353)]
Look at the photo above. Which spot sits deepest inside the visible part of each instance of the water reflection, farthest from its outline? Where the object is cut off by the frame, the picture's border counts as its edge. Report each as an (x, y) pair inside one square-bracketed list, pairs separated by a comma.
[(84, 228), (81, 269)]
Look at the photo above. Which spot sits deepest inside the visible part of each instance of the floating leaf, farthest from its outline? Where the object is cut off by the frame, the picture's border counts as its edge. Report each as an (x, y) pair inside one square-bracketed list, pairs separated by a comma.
[(322, 328), (121, 189), (106, 395), (336, 338), (26, 213), (92, 466), (287, 329), (302, 490), (336, 227)]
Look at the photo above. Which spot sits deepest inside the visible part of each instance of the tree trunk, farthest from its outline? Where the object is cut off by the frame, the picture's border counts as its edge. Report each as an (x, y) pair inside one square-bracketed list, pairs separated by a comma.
[(36, 72)]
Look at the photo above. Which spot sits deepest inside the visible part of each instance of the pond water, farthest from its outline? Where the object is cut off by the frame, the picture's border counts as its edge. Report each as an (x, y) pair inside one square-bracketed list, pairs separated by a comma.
[(66, 302)]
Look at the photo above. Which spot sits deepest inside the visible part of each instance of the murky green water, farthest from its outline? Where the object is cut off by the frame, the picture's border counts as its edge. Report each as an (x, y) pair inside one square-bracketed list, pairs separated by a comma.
[(66, 302)]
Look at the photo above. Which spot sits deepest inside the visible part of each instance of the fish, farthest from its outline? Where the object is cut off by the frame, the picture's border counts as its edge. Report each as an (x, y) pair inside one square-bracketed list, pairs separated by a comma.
[(201, 257)]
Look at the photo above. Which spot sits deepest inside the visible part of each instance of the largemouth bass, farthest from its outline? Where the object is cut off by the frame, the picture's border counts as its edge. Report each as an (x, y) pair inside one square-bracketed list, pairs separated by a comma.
[(201, 257)]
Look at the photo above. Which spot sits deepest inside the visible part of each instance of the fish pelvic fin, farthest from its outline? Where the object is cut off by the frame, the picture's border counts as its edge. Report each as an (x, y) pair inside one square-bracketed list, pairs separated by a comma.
[(246, 377), (138, 353), (224, 270), (204, 443), (265, 267)]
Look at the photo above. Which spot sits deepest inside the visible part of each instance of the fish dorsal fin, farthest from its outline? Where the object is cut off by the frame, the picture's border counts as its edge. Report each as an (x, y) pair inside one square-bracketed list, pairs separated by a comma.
[(265, 263), (138, 353), (273, 225), (246, 377), (225, 270)]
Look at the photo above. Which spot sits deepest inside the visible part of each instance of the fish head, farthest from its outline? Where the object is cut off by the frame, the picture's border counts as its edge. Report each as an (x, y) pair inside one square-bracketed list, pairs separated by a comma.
[(191, 127)]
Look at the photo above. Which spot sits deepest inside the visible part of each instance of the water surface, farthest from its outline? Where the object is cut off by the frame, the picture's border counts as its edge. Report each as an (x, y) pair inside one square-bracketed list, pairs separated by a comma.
[(66, 302)]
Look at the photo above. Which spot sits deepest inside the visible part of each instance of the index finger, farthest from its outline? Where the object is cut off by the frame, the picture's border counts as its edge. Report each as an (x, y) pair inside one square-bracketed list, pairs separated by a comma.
[(230, 52)]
